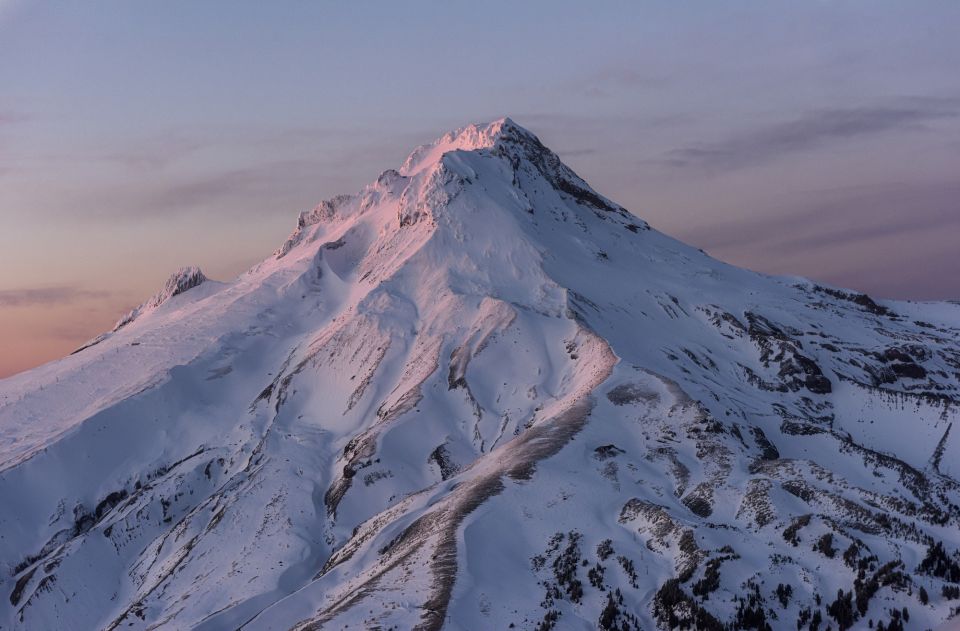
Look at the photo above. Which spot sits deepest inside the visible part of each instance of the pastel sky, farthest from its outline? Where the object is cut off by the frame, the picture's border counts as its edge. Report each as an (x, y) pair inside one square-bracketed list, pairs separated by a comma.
[(816, 138)]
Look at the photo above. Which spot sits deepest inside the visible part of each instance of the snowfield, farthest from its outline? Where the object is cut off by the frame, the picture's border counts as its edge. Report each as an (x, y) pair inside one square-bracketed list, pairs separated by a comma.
[(479, 395)]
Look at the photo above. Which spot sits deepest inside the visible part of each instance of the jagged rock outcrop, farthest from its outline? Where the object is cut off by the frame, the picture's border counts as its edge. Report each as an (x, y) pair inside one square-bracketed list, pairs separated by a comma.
[(182, 280)]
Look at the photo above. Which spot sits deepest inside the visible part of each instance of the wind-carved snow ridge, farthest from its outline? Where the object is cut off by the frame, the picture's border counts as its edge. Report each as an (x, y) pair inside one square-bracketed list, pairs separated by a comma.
[(477, 394), (506, 139), (469, 138), (182, 280)]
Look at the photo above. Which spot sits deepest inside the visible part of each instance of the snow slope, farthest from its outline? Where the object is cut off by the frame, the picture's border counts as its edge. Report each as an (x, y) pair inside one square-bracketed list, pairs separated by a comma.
[(479, 394)]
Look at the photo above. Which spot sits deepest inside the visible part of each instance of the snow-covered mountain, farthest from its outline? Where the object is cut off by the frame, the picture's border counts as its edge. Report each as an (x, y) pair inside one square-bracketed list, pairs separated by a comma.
[(480, 395)]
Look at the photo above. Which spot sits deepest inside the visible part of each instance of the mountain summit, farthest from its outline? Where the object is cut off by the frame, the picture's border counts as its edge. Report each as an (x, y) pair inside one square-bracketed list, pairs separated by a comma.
[(477, 394)]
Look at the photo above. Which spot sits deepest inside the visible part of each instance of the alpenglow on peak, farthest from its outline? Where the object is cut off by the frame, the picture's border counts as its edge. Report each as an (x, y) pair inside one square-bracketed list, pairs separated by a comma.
[(477, 394)]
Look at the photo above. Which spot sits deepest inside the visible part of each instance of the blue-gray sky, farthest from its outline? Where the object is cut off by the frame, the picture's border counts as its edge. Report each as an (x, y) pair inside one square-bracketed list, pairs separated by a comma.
[(816, 138)]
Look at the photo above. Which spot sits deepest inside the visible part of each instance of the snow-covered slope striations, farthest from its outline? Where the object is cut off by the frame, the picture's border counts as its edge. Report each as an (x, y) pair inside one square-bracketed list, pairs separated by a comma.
[(480, 395)]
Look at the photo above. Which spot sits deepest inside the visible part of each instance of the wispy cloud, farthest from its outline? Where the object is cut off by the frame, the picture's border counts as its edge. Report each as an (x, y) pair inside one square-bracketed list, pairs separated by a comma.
[(597, 134), (891, 239), (811, 130), (222, 170), (606, 82), (153, 154), (45, 296), (595, 124), (9, 117), (576, 153), (838, 218), (217, 188)]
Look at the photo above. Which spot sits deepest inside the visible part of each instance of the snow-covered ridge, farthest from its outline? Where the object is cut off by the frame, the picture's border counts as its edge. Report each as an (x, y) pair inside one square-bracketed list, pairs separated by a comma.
[(478, 394), (502, 138), (505, 138), (182, 280), (468, 138)]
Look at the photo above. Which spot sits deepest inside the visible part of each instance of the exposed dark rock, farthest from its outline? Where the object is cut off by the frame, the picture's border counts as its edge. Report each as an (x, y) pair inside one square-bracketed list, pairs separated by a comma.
[(20, 586), (862, 300), (674, 609), (604, 452), (767, 449), (627, 393), (441, 457)]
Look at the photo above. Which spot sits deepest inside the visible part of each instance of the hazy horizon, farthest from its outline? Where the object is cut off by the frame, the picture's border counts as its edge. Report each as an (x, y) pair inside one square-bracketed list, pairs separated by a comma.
[(817, 140)]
